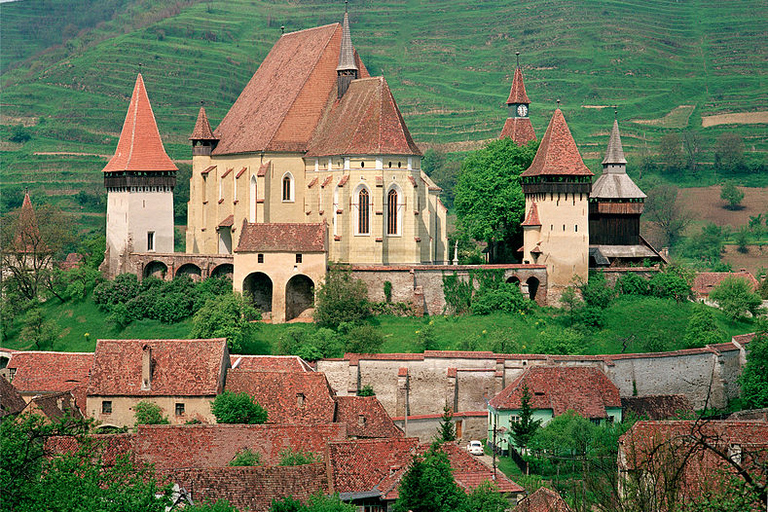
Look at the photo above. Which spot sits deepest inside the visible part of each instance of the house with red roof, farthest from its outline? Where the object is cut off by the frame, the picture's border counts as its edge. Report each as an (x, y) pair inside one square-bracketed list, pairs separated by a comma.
[(705, 282), (180, 376), (553, 390), (543, 500)]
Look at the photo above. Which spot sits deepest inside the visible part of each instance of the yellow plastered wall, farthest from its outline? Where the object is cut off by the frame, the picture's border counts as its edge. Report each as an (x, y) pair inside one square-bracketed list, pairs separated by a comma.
[(123, 412)]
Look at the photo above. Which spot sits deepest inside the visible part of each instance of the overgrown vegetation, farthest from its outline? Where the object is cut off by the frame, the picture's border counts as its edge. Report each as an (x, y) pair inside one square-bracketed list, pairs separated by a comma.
[(148, 413), (229, 407), (290, 457)]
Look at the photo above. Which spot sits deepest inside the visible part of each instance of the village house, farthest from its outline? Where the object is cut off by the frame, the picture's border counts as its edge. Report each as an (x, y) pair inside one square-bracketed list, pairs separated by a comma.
[(705, 282), (553, 390), (543, 500)]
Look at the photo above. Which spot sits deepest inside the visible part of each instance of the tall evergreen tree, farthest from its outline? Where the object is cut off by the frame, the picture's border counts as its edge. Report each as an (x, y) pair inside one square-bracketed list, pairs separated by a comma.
[(523, 430), (447, 430)]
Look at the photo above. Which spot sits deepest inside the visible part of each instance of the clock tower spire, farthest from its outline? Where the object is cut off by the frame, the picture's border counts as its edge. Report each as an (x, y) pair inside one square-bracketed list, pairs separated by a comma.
[(518, 125)]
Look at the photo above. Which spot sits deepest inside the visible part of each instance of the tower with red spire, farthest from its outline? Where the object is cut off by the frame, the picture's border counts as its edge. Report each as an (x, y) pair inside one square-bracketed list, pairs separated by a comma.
[(139, 179), (556, 228), (518, 125)]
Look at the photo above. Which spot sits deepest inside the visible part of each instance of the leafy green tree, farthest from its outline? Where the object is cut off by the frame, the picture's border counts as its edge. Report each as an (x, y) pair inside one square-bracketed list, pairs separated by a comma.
[(246, 457), (226, 316), (489, 198), (486, 498), (364, 339), (428, 485), (289, 457), (754, 375), (757, 224), (671, 152), (742, 236), (316, 503), (762, 290), (38, 331), (632, 284), (665, 212), (446, 431), (596, 291), (427, 337), (148, 413), (667, 285), (736, 298), (732, 195), (523, 430), (341, 298), (707, 245), (20, 134), (703, 329), (231, 407), (506, 298), (729, 152)]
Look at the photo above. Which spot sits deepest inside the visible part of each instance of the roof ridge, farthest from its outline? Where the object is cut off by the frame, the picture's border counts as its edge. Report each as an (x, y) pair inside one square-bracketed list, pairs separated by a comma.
[(308, 29)]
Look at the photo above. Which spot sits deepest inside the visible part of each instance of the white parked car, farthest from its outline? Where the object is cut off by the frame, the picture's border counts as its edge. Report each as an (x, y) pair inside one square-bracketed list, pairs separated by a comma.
[(475, 448)]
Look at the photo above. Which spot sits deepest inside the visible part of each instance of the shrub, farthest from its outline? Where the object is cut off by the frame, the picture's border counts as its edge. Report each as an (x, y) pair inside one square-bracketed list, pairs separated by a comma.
[(732, 195), (231, 407), (147, 413), (507, 298), (289, 457), (366, 390), (226, 316), (120, 290), (632, 284), (364, 339), (246, 457), (559, 341), (735, 297), (596, 292), (703, 330), (387, 291), (341, 298), (669, 286)]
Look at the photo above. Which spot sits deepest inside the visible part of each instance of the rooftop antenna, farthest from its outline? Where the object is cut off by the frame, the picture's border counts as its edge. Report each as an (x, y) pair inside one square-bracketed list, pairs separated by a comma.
[(518, 58)]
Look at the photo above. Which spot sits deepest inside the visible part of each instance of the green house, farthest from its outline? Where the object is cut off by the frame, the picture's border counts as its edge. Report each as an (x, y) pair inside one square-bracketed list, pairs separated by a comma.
[(554, 390)]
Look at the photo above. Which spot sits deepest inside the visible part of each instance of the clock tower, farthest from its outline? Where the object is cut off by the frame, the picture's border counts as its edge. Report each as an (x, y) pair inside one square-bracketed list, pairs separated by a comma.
[(518, 125)]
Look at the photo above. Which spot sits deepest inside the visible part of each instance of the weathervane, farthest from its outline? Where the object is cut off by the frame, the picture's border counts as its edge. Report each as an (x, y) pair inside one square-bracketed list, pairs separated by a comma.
[(518, 58)]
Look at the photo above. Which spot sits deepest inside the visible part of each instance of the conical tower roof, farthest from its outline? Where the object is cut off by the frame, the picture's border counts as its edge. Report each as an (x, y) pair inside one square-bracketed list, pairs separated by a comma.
[(517, 92), (140, 147), (27, 231), (557, 154), (347, 52), (202, 129), (615, 153)]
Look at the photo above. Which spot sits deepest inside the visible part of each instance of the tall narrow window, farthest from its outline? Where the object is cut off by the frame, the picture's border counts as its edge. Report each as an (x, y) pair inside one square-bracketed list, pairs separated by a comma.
[(150, 240), (287, 187), (252, 200), (392, 212), (363, 215)]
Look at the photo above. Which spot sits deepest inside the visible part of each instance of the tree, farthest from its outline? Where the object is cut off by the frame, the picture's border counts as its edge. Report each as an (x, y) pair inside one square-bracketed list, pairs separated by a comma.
[(226, 316), (148, 413), (363, 339), (754, 375), (703, 329), (729, 152), (663, 210), (732, 195), (38, 331), (316, 503), (231, 407), (757, 225), (692, 145), (736, 298), (341, 298), (741, 237), (486, 498), (522, 430), (446, 431), (428, 485), (489, 198), (671, 151)]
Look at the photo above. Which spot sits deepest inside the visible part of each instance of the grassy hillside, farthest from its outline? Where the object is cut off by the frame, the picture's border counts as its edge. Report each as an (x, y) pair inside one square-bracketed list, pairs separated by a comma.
[(67, 76)]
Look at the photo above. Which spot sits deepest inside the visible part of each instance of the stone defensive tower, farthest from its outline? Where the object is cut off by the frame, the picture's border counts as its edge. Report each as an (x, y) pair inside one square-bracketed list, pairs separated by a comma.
[(139, 180)]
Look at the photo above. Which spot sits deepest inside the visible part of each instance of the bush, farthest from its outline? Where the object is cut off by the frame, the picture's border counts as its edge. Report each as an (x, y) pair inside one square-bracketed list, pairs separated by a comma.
[(289, 457), (246, 457), (226, 316), (669, 286), (703, 330), (732, 195), (341, 298), (147, 413), (20, 134), (559, 341), (507, 298), (231, 407), (364, 339), (735, 297), (366, 390), (596, 292), (632, 284)]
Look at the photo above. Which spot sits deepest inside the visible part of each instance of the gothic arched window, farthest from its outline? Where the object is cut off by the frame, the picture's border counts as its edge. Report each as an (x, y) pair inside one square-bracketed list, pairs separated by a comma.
[(363, 213), (392, 220), (287, 187)]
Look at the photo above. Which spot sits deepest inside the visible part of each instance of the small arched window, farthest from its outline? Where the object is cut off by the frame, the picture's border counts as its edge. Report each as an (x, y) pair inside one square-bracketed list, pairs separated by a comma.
[(287, 187), (392, 221), (363, 214)]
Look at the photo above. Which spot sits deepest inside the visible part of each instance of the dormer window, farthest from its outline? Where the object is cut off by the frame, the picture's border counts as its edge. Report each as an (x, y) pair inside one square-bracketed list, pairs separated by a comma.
[(361, 420), (300, 399)]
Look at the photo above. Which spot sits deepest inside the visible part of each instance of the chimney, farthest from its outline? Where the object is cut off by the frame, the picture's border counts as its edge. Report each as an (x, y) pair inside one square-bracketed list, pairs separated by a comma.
[(146, 368)]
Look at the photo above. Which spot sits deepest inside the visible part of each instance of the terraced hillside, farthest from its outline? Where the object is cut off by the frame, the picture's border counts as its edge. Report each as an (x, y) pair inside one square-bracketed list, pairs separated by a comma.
[(665, 63)]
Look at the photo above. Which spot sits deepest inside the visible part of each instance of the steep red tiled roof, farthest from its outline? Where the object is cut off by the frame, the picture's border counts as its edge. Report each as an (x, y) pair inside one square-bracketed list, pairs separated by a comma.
[(706, 281), (108, 446), (46, 372), (657, 407), (54, 406), (532, 219), (517, 91), (275, 237), (366, 121), (281, 105), (360, 465), (179, 367), (269, 363), (201, 446), (519, 129), (227, 222), (11, 401), (288, 397), (743, 339), (557, 154), (140, 147), (585, 389), (543, 500), (365, 417), (202, 129), (28, 237)]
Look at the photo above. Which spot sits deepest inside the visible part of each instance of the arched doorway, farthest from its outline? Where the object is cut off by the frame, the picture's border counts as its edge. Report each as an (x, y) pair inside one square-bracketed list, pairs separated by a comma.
[(258, 286), (191, 270), (514, 280), (533, 287), (156, 269), (223, 270), (299, 296)]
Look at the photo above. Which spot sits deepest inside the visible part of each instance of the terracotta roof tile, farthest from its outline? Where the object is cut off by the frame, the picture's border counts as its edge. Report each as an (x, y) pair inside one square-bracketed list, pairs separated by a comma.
[(361, 465), (519, 129), (366, 121), (557, 154), (585, 389), (289, 397), (108, 446), (532, 219), (228, 222), (140, 147), (657, 407), (706, 281), (295, 237), (269, 363), (517, 91), (45, 372), (179, 367), (743, 339), (55, 406), (11, 401), (202, 129), (543, 500), (365, 417)]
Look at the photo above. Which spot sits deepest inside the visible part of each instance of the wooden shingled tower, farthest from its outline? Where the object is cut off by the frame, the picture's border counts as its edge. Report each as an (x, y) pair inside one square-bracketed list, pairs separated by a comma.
[(139, 179), (518, 125)]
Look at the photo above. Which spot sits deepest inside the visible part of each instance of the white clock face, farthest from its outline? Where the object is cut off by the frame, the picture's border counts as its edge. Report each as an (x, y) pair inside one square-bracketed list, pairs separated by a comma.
[(522, 110)]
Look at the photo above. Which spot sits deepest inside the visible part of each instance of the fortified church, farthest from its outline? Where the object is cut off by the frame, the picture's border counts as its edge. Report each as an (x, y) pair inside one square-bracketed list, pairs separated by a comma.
[(314, 164)]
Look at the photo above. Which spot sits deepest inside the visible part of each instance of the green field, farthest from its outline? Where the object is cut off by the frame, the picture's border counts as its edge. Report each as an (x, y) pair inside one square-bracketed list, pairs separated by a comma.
[(68, 70)]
